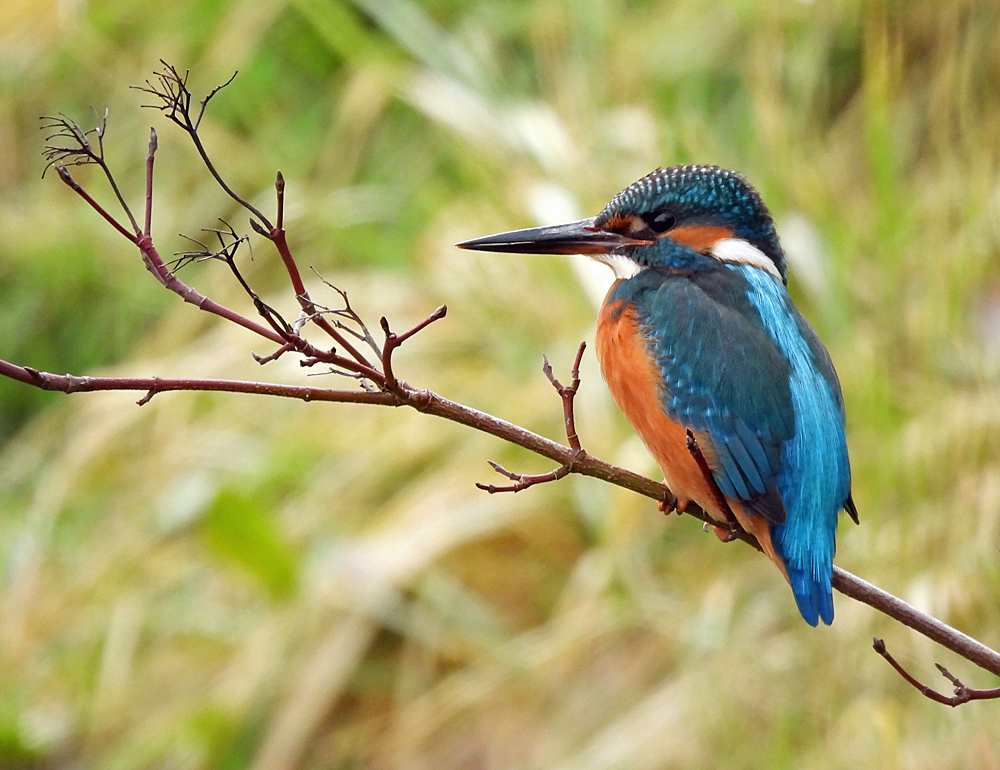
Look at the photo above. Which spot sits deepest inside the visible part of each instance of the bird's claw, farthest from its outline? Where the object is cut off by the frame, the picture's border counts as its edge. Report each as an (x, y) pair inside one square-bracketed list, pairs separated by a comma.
[(671, 502), (725, 535)]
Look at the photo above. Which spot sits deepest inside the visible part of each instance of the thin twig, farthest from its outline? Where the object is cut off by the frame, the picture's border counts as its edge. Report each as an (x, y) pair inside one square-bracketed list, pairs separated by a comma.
[(175, 102), (523, 481), (725, 533), (962, 694), (348, 312), (79, 151), (279, 238), (567, 393), (273, 356), (158, 267), (229, 243), (70, 182), (150, 157), (393, 341), (959, 643), (154, 262)]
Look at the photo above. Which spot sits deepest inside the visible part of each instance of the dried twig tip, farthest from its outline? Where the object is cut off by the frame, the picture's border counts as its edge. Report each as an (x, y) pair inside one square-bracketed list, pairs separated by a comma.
[(575, 371)]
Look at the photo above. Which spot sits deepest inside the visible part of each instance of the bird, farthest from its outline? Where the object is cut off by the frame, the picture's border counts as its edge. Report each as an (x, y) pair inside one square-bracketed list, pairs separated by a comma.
[(726, 383)]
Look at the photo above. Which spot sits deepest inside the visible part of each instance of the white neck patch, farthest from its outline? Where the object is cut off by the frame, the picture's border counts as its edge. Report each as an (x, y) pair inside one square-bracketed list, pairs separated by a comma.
[(622, 266), (741, 252), (733, 250)]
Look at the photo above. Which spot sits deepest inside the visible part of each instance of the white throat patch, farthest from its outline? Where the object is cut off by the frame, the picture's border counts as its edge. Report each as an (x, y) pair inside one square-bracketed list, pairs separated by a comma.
[(739, 251), (623, 267)]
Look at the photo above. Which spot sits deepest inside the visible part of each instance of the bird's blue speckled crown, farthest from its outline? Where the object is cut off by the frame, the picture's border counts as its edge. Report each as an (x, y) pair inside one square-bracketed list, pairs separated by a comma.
[(706, 195)]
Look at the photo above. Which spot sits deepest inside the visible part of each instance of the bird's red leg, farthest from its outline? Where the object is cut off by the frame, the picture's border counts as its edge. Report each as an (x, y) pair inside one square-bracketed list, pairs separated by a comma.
[(670, 503), (725, 534)]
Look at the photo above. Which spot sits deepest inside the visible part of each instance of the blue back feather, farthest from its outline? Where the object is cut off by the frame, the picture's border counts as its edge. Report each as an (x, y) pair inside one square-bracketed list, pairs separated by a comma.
[(815, 475)]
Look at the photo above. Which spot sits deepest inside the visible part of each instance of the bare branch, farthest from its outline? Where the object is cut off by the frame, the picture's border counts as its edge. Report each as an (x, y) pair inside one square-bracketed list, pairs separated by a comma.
[(68, 383), (81, 152), (150, 157), (348, 312), (279, 188), (962, 694), (173, 98), (226, 252), (213, 92), (567, 393), (174, 101), (523, 481), (273, 356), (863, 591), (70, 182)]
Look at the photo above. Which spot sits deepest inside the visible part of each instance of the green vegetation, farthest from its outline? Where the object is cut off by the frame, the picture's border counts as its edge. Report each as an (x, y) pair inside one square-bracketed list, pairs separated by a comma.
[(372, 608)]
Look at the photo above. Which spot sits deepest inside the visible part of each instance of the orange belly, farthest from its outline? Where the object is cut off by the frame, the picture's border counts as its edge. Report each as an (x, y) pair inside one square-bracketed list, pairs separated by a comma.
[(636, 384)]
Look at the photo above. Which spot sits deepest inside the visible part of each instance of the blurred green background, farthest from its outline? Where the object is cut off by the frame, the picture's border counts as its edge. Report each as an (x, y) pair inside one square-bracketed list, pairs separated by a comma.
[(216, 581)]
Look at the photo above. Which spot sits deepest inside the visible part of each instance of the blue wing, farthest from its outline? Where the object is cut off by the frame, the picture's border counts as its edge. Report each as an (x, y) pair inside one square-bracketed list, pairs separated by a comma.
[(723, 376)]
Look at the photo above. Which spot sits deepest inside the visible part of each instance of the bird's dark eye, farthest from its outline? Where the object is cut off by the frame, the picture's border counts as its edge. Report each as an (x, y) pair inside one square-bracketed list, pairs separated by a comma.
[(660, 221)]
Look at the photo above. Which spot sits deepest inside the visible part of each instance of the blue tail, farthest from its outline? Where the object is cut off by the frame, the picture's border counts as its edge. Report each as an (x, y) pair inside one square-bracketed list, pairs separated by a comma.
[(813, 595), (806, 544)]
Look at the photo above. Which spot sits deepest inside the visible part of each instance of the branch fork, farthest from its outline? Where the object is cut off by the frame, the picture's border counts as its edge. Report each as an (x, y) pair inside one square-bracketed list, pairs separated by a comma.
[(69, 144), (567, 393), (393, 341), (963, 694)]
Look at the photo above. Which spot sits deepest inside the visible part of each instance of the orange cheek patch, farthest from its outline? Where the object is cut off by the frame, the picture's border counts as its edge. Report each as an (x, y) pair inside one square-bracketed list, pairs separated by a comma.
[(700, 238)]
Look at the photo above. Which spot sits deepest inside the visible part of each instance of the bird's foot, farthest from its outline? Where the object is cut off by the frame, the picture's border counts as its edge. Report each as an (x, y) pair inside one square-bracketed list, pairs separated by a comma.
[(725, 535), (670, 503)]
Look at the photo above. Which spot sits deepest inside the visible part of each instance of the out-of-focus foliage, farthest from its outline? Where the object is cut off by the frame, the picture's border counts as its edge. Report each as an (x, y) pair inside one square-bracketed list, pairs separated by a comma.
[(371, 608)]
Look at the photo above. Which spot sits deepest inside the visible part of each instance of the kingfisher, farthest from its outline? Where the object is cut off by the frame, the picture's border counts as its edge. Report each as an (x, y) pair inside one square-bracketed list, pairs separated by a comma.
[(727, 384)]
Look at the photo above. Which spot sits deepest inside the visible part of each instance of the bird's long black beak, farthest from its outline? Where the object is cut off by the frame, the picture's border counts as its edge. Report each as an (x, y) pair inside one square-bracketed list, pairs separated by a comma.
[(581, 237)]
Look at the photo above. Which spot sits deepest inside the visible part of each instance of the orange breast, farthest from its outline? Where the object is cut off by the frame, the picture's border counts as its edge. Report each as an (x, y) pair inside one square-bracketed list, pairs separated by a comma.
[(636, 384)]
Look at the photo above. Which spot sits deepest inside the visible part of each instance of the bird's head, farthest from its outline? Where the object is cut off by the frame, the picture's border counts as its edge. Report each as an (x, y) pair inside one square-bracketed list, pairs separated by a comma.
[(675, 217)]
